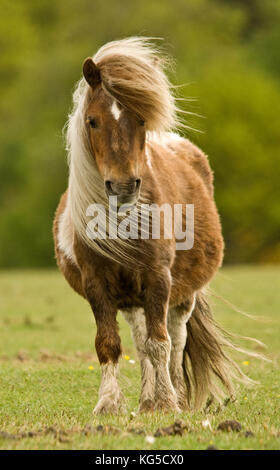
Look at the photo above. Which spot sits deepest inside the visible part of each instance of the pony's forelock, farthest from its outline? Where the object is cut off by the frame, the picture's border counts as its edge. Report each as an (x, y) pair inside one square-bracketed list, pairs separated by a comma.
[(133, 71)]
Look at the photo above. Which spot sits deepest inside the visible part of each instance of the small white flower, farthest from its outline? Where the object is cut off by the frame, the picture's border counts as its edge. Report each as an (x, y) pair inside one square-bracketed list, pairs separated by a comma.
[(131, 361), (150, 439), (206, 424)]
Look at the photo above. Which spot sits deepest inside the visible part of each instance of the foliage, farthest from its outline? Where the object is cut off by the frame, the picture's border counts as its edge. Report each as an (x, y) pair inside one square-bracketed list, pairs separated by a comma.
[(226, 50)]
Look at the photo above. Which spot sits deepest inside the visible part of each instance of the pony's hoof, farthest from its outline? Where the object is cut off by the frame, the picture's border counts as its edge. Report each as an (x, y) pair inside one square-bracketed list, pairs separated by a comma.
[(146, 406), (110, 405), (168, 406), (184, 407)]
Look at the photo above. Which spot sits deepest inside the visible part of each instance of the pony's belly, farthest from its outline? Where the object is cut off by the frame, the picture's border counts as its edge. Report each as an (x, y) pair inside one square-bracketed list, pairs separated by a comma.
[(126, 289), (128, 302)]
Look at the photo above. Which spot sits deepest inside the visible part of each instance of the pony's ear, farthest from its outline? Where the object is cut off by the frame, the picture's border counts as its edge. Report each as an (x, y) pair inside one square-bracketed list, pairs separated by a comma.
[(91, 72)]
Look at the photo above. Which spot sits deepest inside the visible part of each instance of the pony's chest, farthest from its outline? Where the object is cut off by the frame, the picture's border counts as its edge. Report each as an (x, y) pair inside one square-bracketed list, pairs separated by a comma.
[(125, 288)]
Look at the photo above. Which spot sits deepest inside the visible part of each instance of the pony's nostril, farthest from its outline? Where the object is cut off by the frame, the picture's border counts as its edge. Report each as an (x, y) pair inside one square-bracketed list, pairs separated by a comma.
[(108, 185), (133, 186)]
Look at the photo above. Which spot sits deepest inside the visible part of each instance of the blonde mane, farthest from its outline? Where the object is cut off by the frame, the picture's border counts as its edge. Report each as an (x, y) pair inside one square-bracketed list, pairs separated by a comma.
[(132, 71)]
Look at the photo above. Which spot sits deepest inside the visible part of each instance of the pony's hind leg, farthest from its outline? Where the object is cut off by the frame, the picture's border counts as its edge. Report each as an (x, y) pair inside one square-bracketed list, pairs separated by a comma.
[(136, 319), (177, 329)]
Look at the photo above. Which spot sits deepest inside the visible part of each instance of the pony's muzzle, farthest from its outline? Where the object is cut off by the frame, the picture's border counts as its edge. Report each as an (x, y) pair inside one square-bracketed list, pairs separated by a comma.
[(127, 192)]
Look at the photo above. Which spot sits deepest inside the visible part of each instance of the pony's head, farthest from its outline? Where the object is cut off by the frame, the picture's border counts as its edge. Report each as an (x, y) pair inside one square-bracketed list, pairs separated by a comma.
[(124, 96), (117, 139)]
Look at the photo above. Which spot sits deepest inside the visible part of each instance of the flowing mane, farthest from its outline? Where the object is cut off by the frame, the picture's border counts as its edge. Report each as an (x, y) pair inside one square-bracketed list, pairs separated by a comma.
[(132, 71)]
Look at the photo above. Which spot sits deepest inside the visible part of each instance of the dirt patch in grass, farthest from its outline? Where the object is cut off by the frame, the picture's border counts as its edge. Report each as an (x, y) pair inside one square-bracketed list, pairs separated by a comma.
[(64, 435), (47, 356), (230, 425), (178, 428)]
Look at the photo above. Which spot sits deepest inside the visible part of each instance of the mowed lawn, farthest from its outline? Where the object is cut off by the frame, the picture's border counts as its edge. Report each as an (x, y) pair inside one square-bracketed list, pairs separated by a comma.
[(49, 373)]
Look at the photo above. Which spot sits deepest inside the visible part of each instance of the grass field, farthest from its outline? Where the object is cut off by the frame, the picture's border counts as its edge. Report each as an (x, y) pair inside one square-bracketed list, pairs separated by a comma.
[(49, 373)]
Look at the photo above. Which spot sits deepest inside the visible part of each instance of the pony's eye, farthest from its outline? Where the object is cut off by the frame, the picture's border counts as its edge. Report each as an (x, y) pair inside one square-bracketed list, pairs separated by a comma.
[(142, 123), (92, 122)]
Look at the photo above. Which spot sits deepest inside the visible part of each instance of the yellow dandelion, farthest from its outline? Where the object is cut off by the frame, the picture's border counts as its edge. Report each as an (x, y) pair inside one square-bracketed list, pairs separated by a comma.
[(245, 398), (126, 357), (245, 363), (90, 367)]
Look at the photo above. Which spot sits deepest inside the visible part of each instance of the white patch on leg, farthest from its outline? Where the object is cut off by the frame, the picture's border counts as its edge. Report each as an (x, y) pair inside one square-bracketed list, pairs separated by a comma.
[(115, 110), (176, 323), (111, 399), (165, 395), (136, 319)]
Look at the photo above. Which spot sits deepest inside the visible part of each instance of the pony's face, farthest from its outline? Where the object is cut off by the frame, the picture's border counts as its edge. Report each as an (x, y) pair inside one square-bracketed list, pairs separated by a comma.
[(117, 138)]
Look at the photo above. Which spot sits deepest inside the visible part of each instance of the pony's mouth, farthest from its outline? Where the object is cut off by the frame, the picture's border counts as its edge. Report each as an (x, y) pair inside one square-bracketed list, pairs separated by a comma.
[(123, 204), (126, 193), (123, 199), (130, 200)]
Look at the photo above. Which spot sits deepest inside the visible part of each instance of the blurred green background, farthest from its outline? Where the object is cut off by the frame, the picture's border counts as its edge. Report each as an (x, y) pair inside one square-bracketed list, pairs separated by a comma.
[(228, 51)]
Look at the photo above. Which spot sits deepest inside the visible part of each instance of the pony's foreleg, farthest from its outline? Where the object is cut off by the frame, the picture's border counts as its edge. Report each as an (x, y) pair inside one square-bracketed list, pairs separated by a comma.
[(158, 345), (177, 329), (108, 346), (137, 321)]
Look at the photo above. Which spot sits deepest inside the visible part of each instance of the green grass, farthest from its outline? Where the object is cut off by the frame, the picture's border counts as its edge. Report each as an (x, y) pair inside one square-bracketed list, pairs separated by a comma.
[(47, 346)]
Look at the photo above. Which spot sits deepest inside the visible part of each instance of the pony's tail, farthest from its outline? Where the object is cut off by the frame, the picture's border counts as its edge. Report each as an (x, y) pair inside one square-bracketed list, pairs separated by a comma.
[(206, 364)]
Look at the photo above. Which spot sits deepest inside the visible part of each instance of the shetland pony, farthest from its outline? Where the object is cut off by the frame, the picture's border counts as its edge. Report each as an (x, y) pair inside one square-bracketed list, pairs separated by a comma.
[(119, 143)]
